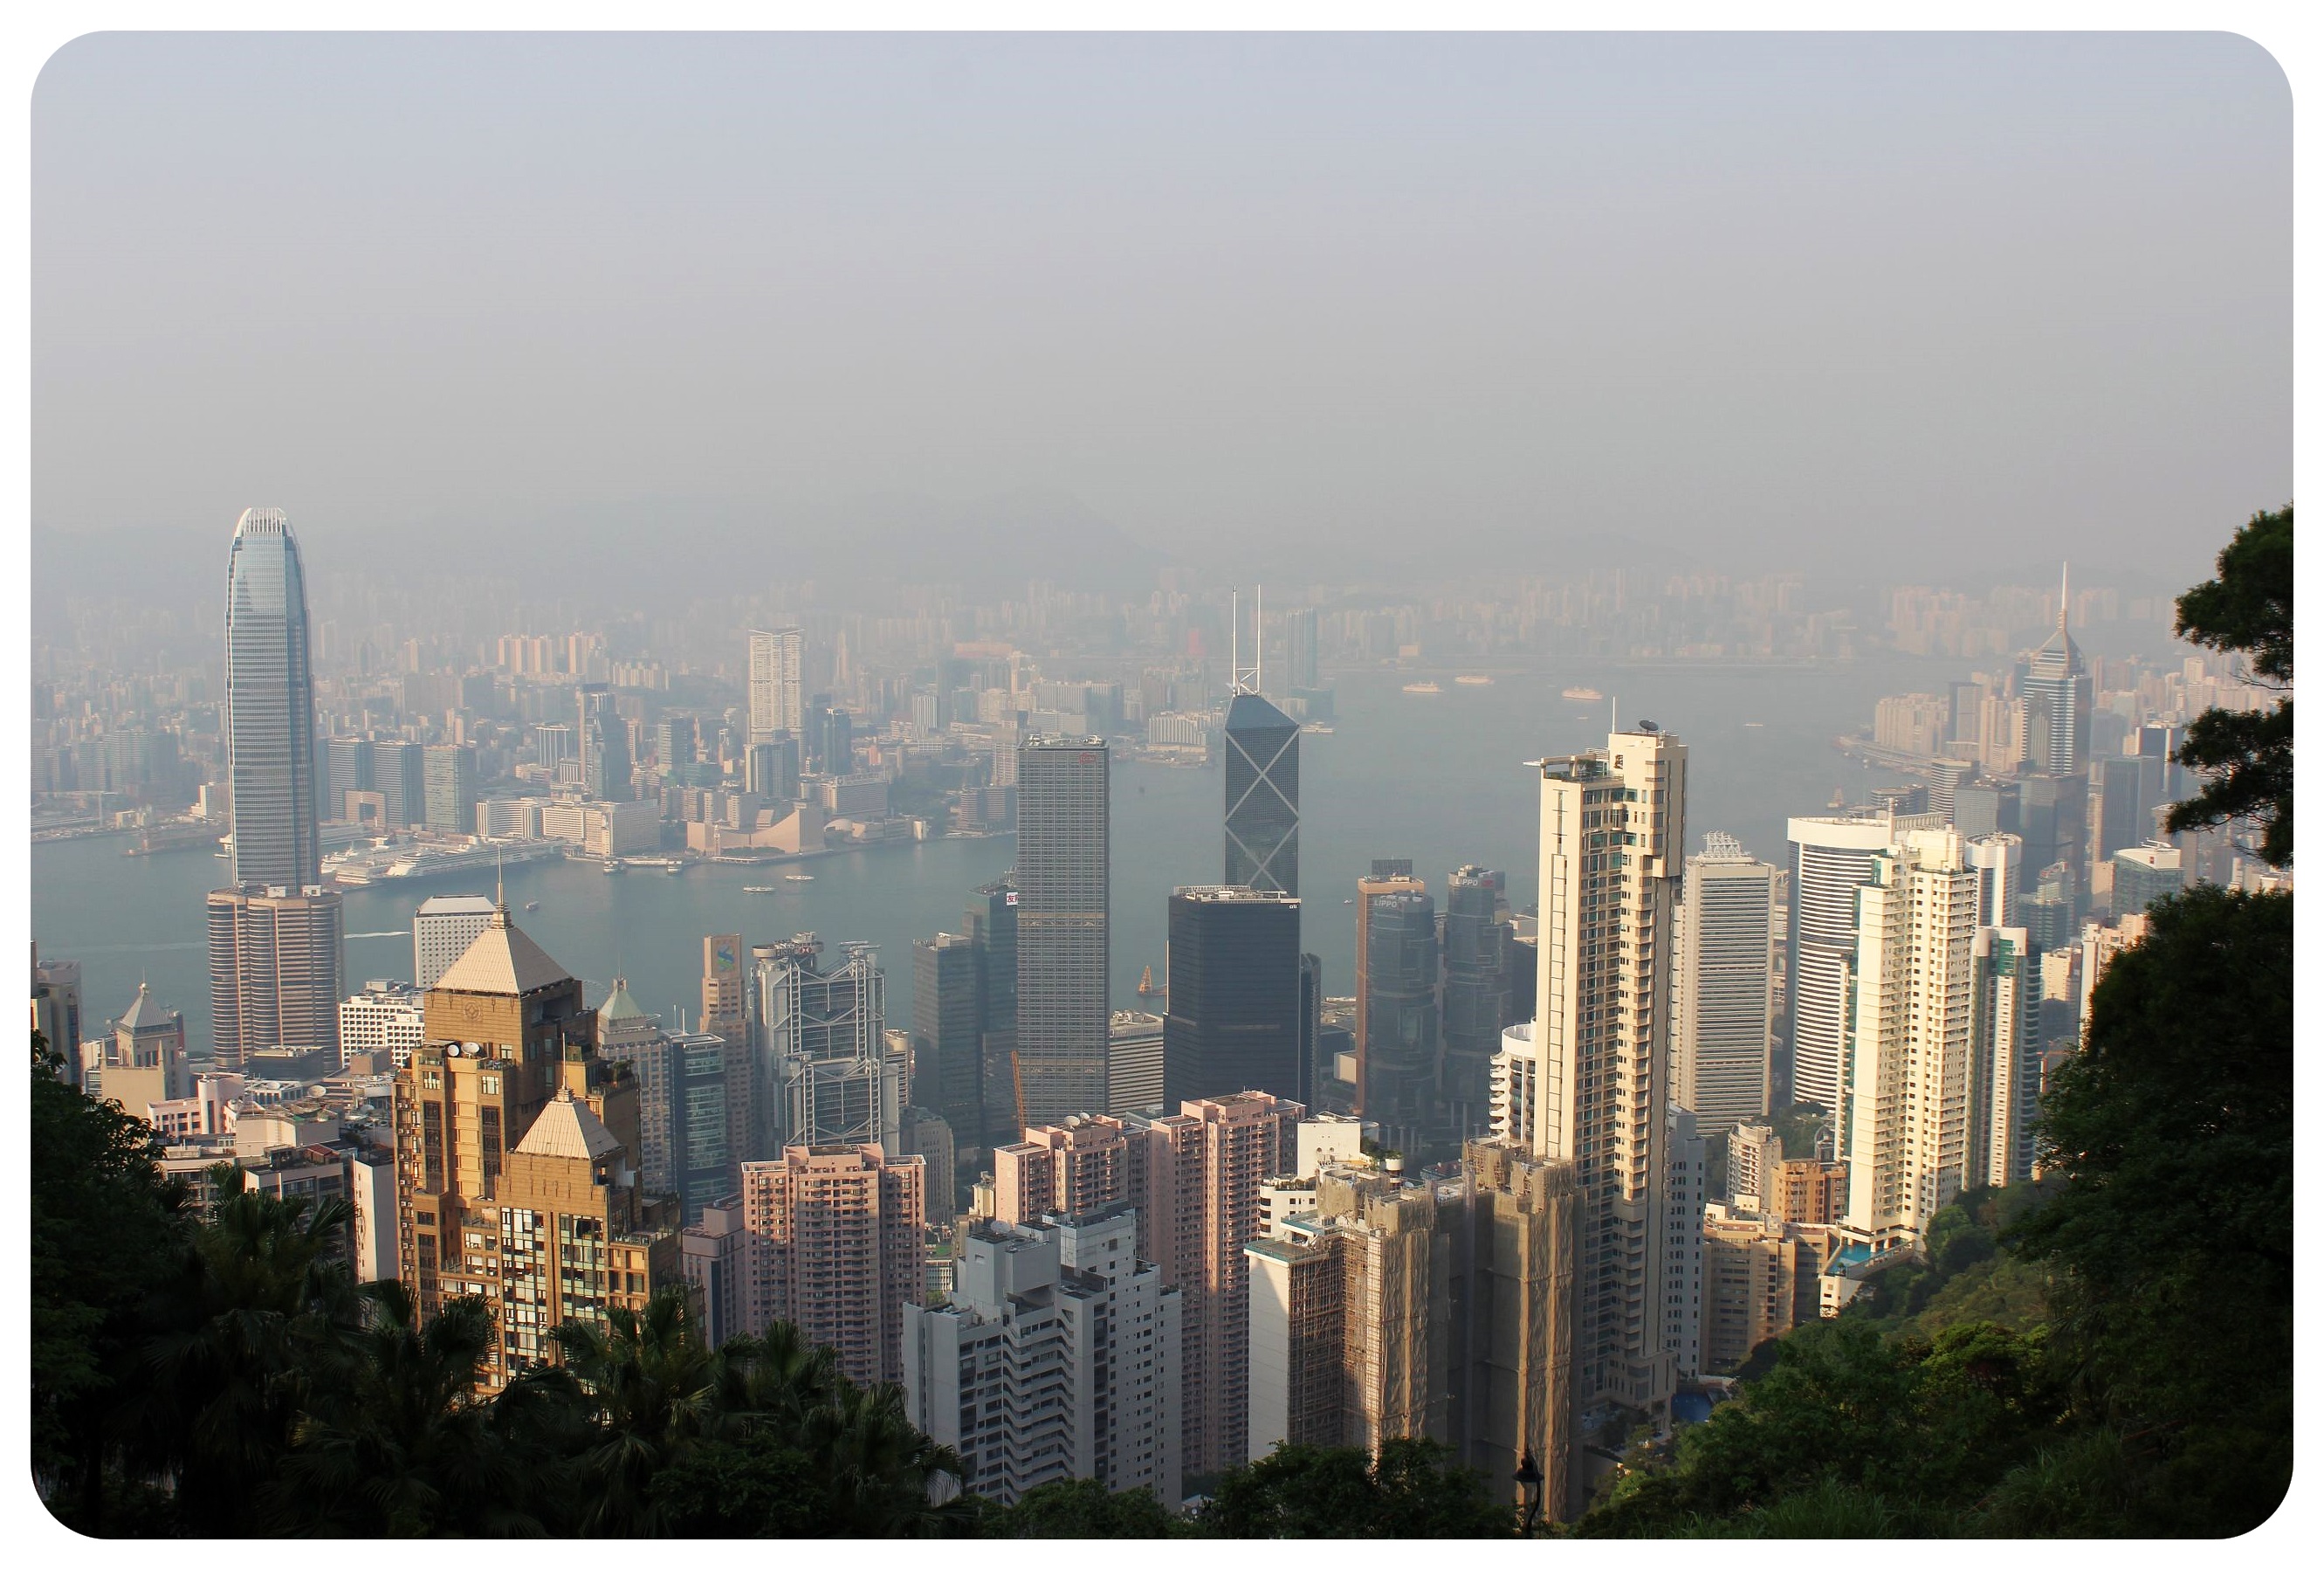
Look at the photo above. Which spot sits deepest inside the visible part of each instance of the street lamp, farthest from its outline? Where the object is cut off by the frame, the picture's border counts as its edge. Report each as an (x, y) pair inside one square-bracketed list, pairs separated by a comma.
[(1528, 1481)]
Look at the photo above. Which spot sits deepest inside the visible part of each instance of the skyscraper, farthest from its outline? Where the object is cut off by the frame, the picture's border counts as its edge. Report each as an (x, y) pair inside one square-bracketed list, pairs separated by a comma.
[(1055, 1356), (1062, 948), (1263, 795), (726, 1008), (822, 1045), (566, 1234), (275, 961), (450, 777), (627, 1034), (1906, 1133), (270, 707), (1477, 943), (604, 740), (947, 1049), (441, 930), (399, 773), (777, 684), (1832, 858), (991, 923), (1234, 1022), (2057, 691), (837, 1250), (2005, 1071), (347, 767), (1722, 1044), (1396, 1002), (1613, 823)]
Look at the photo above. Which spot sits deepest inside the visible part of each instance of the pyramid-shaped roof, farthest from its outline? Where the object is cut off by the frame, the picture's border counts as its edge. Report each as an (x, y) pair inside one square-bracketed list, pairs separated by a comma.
[(621, 1007), (567, 1127), (1248, 711), (503, 961), (144, 1013)]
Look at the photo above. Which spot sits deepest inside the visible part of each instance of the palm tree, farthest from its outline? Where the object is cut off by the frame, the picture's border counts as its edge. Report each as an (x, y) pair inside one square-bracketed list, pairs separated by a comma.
[(650, 1390), (879, 1473), (402, 1446), (268, 1304), (772, 1381)]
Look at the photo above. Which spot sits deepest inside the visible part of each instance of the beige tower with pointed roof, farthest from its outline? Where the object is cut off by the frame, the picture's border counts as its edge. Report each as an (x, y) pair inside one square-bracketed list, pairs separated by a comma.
[(506, 1034)]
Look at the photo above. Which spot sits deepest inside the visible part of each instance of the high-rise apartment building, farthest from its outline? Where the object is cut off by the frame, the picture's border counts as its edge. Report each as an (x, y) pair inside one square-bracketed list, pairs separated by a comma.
[(1832, 858), (1683, 1287), (1512, 1350), (2005, 1069), (1996, 858), (778, 684), (1055, 1356), (1613, 823), (1351, 1316), (1904, 1133), (1395, 1003), (1723, 1042), (1061, 939), (821, 1039), (1263, 795), (715, 1255), (275, 958), (1234, 1022), (442, 928), (449, 777), (948, 1051), (1194, 1177), (270, 708), (56, 1010), (837, 1248), (563, 1232), (1749, 1285), (1478, 943)]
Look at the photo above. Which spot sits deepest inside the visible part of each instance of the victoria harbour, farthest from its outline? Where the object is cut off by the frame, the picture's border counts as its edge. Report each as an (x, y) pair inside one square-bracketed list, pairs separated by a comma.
[(1759, 750)]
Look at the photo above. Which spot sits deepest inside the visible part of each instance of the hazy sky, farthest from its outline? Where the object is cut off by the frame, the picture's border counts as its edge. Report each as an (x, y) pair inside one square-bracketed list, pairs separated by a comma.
[(1401, 301)]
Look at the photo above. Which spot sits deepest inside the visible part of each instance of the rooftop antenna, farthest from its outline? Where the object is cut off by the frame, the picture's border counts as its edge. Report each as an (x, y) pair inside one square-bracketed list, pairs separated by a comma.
[(2062, 596), (1614, 715), (1242, 677), (500, 884)]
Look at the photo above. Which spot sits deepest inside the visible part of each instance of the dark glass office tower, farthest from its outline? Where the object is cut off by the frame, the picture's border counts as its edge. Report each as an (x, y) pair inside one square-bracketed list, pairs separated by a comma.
[(1396, 1005), (1312, 1069), (1477, 944), (992, 928), (1233, 1023), (1062, 1006), (947, 1027), (1262, 796), (270, 708)]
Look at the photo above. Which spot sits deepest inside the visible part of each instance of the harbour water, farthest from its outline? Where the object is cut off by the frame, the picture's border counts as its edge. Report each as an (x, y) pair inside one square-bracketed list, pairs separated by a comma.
[(1439, 777)]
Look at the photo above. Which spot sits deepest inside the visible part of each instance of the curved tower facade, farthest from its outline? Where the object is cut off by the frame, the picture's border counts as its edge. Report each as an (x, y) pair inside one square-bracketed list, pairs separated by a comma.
[(270, 707)]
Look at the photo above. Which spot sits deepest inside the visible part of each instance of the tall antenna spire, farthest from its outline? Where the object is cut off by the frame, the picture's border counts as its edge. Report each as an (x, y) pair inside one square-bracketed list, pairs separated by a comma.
[(1242, 677), (1259, 642), (2062, 596), (499, 882)]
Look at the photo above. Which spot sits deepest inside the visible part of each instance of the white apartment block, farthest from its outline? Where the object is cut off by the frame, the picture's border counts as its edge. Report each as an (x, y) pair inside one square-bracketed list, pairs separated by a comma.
[(1057, 1358), (386, 1016), (1613, 823), (1905, 1117), (442, 928), (777, 688)]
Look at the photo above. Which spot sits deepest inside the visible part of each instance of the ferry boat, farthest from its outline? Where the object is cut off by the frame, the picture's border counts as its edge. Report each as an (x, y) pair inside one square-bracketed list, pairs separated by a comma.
[(530, 906), (1423, 686), (1583, 695), (675, 868), (1472, 682), (761, 889), (799, 877), (613, 868)]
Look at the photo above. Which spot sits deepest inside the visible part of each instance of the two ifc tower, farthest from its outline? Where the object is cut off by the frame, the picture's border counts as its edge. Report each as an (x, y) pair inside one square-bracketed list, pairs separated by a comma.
[(1241, 993)]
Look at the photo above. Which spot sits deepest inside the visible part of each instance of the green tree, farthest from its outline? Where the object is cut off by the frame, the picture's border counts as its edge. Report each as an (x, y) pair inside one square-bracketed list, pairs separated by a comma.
[(402, 1446), (755, 1484), (1412, 1489), (2172, 1228), (107, 1230), (878, 1475), (649, 1389), (2247, 755), (1084, 1508)]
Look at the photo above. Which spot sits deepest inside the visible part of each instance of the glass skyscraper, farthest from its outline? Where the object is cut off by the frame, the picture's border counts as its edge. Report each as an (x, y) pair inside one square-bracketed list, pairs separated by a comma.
[(270, 704), (1063, 1020), (1234, 1021), (1262, 800)]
